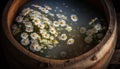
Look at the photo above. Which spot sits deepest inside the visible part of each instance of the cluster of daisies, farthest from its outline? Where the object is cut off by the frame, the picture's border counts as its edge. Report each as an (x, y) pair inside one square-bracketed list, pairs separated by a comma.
[(41, 30), (92, 32)]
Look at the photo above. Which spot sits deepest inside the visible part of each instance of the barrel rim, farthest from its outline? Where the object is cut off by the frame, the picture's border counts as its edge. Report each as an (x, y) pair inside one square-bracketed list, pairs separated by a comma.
[(85, 55)]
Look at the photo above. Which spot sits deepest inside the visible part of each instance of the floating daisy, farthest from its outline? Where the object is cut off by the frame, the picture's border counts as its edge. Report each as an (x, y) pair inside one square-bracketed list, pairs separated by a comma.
[(63, 37), (60, 16), (88, 39), (93, 20), (98, 26), (95, 30), (62, 23), (56, 23), (82, 30), (74, 18), (19, 19), (28, 24), (52, 38), (68, 28), (26, 11), (89, 32), (51, 14), (45, 41), (25, 42), (46, 36), (24, 35), (29, 29), (55, 42), (34, 42), (48, 7), (37, 47), (35, 5), (44, 10), (70, 41), (52, 31), (41, 26), (36, 21), (34, 35)]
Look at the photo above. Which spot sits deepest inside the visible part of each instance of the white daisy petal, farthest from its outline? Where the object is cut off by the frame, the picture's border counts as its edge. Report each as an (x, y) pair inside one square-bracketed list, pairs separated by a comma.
[(70, 41), (24, 35), (34, 35), (29, 29), (98, 27), (19, 19), (74, 18), (62, 23), (63, 37), (25, 42), (89, 32), (88, 39), (82, 30), (68, 28)]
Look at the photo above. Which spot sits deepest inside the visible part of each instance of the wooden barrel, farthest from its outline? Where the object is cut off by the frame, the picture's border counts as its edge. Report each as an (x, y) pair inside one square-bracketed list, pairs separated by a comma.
[(96, 58)]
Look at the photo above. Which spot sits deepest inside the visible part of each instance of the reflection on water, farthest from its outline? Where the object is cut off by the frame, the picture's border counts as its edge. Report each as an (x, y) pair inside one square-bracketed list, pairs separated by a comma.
[(79, 16)]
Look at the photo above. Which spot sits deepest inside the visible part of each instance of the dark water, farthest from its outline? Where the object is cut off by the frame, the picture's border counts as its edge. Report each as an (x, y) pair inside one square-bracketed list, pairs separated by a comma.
[(84, 12)]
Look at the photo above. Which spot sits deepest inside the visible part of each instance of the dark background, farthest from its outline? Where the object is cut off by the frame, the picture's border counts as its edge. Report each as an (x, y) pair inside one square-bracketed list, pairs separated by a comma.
[(3, 62)]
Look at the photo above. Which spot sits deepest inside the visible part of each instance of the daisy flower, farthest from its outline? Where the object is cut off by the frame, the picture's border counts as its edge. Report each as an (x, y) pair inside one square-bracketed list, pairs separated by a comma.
[(55, 42), (36, 21), (68, 28), (41, 26), (35, 5), (34, 35), (98, 26), (44, 10), (50, 47), (24, 35), (34, 42), (82, 30), (63, 37), (29, 29), (62, 23), (61, 16), (89, 32), (25, 42), (51, 14), (48, 7), (46, 36), (56, 34), (26, 11), (52, 38), (95, 30), (88, 39), (28, 24), (44, 41), (32, 47), (37, 47), (56, 23), (74, 18), (19, 19), (70, 41), (93, 20), (52, 30)]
